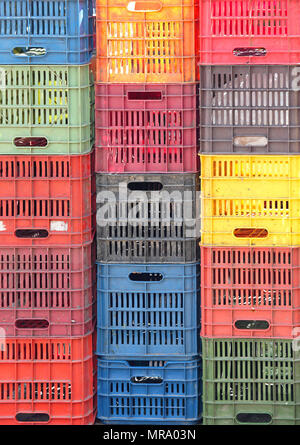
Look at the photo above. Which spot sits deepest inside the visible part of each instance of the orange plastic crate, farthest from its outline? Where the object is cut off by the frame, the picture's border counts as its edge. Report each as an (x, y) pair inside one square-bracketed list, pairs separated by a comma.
[(147, 41), (47, 381)]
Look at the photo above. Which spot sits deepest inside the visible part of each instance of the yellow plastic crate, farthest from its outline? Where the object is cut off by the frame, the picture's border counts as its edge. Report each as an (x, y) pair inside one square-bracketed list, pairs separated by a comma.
[(253, 176), (250, 200)]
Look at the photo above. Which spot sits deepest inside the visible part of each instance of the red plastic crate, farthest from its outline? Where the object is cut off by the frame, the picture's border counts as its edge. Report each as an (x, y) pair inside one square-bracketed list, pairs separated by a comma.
[(47, 291), (45, 200), (146, 128), (259, 32), (47, 381), (250, 292)]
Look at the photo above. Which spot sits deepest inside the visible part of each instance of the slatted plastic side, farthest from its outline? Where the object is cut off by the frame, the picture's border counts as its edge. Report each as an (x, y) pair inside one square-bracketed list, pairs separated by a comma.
[(240, 32), (146, 43), (46, 32), (147, 207), (150, 323), (249, 109), (47, 381), (250, 292), (250, 382), (46, 110), (146, 251), (250, 176), (44, 200), (145, 392), (47, 291), (146, 127)]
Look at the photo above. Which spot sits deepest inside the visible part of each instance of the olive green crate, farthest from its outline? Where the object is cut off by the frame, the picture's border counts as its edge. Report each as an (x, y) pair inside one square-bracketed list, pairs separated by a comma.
[(52, 103), (251, 381)]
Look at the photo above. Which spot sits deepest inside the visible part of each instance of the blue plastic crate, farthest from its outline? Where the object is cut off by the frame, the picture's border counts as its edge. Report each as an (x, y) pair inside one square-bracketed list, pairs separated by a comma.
[(145, 392), (40, 32), (148, 318)]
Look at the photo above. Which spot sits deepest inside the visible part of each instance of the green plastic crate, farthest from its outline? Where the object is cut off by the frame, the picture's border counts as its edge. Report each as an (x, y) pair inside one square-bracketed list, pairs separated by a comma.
[(253, 381), (51, 102)]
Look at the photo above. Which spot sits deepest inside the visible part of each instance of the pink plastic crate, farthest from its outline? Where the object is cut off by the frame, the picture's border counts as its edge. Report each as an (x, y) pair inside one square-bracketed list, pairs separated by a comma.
[(250, 292), (258, 32), (47, 291), (146, 128)]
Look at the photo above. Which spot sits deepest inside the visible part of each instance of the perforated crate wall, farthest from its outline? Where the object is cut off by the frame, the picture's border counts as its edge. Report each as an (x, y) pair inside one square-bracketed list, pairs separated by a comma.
[(46, 109), (46, 31), (249, 32), (146, 41), (145, 392), (46, 200), (250, 200), (251, 381), (47, 291), (250, 292), (148, 311), (47, 381), (249, 109), (147, 128), (250, 176), (151, 218)]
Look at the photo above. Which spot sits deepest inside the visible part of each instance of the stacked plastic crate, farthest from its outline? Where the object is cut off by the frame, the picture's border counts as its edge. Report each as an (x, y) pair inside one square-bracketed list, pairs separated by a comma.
[(46, 137), (250, 210), (148, 266)]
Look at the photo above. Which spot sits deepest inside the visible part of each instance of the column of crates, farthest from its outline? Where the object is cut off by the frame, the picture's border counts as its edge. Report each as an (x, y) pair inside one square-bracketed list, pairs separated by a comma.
[(46, 279), (148, 267), (250, 178)]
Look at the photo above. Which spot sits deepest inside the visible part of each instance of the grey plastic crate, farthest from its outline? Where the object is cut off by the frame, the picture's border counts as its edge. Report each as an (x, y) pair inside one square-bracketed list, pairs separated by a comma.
[(138, 226), (250, 109)]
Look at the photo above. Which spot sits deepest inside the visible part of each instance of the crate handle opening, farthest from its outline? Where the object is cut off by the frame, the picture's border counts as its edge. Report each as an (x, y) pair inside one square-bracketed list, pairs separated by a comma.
[(144, 95), (145, 276), (31, 233), (144, 6), (253, 418), (250, 233), (250, 52), (32, 417), (147, 380), (29, 51), (29, 142), (251, 141), (252, 324), (146, 363), (24, 323), (145, 186)]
